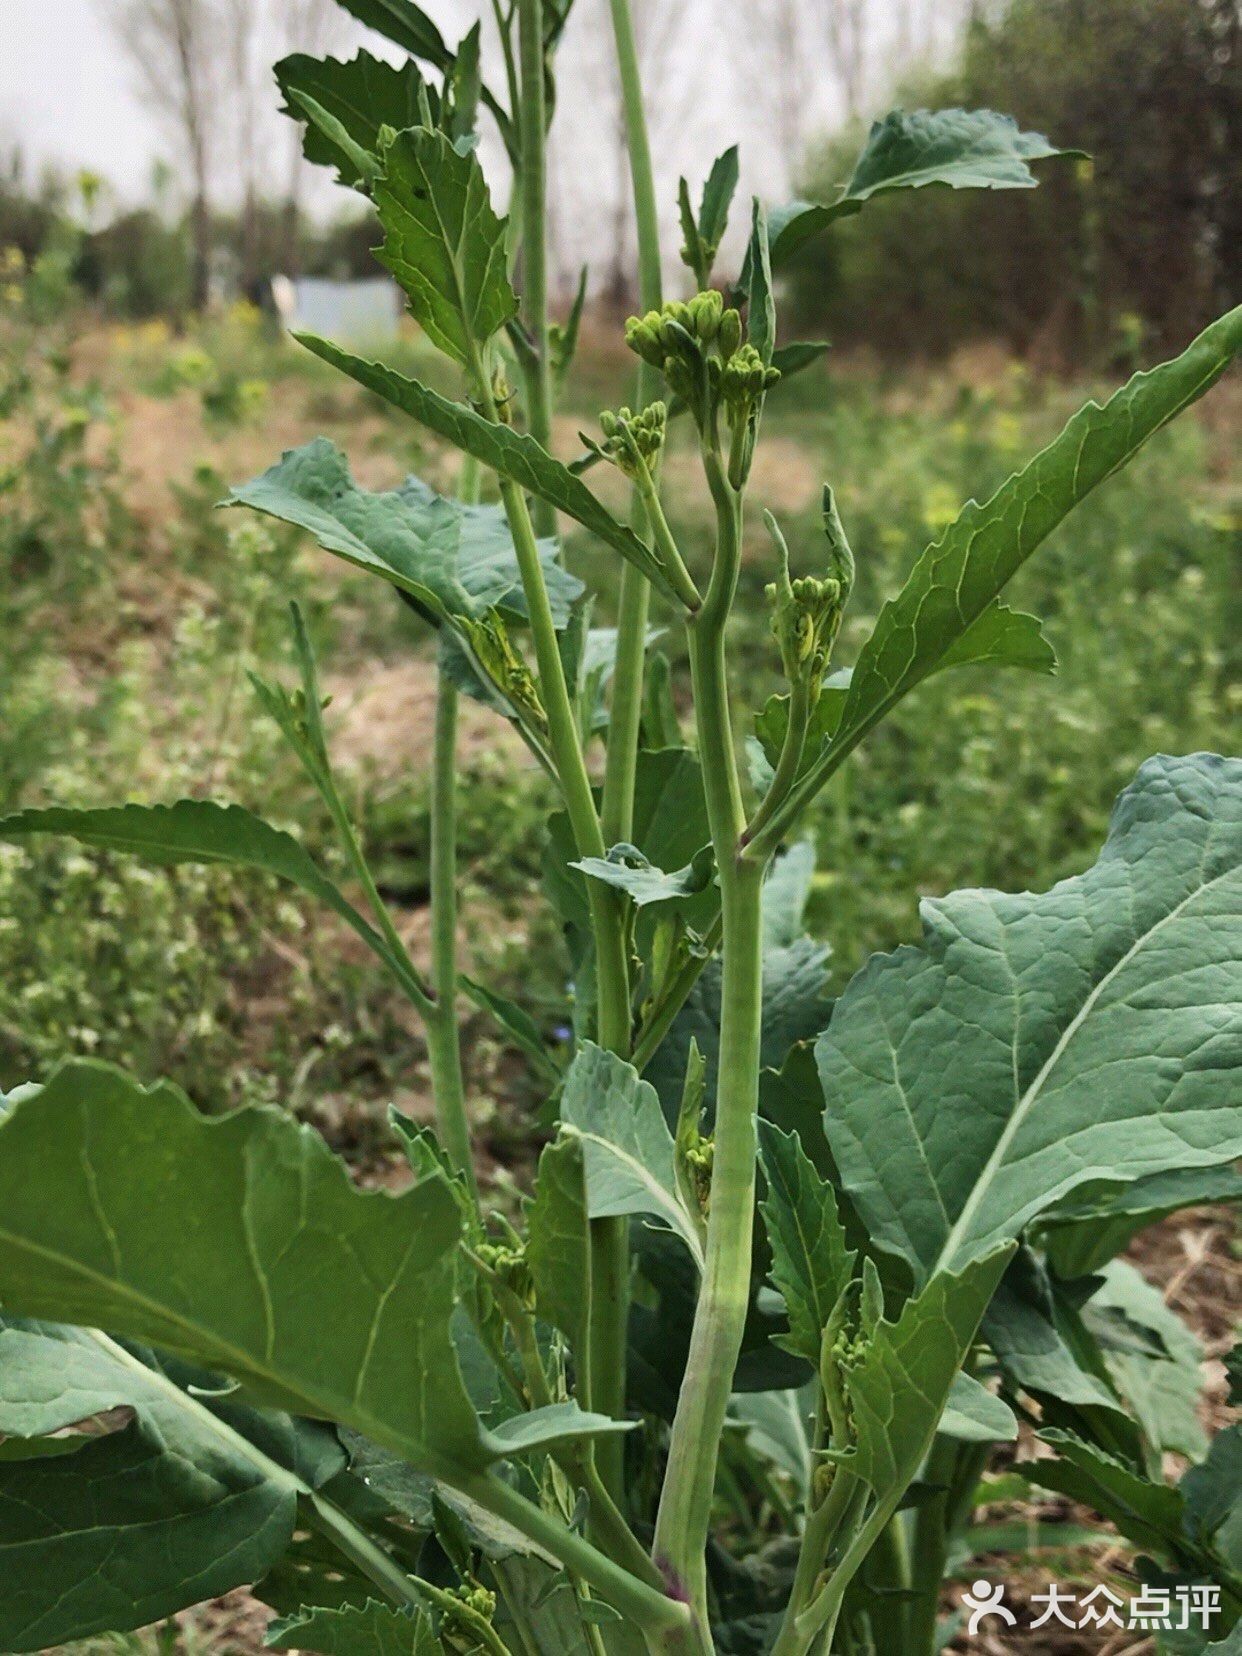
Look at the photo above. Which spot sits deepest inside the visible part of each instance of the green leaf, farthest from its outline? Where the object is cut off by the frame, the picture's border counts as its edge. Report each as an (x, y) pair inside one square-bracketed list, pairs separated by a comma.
[(626, 1145), (512, 454), (363, 95), (1162, 1389), (973, 149), (456, 560), (555, 1423), (1148, 1514), (760, 302), (811, 1263), (1034, 1352), (406, 24), (353, 1630), (953, 587), (1004, 637), (702, 234), (973, 1414), (196, 1496), (224, 1240), (443, 242), (558, 1242), (518, 1024), (1040, 1042), (785, 893), (198, 831), (1085, 1232), (904, 1378), (772, 720), (625, 868), (1213, 1496)]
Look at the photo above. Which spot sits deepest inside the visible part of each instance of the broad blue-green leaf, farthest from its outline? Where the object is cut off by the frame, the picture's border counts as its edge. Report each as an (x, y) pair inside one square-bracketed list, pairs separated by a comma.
[(905, 1376), (966, 149), (224, 1240), (367, 1630), (443, 242), (195, 1496), (973, 1414), (1041, 1042), (364, 94), (196, 831), (558, 1242), (512, 454), (811, 1263), (953, 587), (454, 559), (625, 868), (626, 1145)]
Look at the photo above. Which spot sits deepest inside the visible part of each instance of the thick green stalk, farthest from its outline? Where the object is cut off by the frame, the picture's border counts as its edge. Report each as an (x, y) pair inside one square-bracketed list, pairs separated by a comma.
[(533, 183), (685, 1504), (610, 1284), (627, 694), (443, 1038), (666, 1624)]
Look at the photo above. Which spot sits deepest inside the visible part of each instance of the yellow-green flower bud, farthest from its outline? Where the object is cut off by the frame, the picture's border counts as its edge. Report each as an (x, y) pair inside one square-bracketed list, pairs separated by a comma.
[(729, 336)]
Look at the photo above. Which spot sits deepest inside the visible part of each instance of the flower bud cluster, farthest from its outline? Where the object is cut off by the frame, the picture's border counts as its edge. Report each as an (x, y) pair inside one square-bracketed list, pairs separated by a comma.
[(743, 380), (633, 441), (700, 1158), (508, 1266), (697, 345)]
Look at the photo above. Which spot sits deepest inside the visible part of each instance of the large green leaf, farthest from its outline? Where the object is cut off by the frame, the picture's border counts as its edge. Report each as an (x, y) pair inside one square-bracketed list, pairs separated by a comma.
[(198, 1494), (626, 1145), (457, 560), (443, 242), (965, 149), (512, 454), (811, 1263), (357, 1630), (225, 1240), (1039, 1042), (198, 831), (364, 94), (973, 1414), (952, 589), (628, 869)]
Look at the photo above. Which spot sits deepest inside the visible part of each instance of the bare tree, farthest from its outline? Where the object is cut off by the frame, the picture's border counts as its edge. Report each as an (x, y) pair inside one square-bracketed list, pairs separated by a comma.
[(243, 20), (846, 25), (316, 27), (174, 45)]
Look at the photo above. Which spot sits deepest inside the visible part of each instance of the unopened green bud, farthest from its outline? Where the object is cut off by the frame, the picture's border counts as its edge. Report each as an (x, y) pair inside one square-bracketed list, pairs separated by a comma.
[(642, 335), (729, 336), (822, 1481), (706, 310), (631, 441)]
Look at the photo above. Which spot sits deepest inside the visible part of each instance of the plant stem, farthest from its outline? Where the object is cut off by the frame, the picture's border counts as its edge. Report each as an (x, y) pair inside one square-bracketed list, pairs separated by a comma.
[(533, 126), (443, 1039), (823, 1525), (635, 590), (685, 1504), (610, 1251), (665, 1622), (378, 1567)]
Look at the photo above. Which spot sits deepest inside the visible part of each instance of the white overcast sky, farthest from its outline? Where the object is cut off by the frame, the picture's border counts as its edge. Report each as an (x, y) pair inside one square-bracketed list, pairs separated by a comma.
[(716, 73)]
